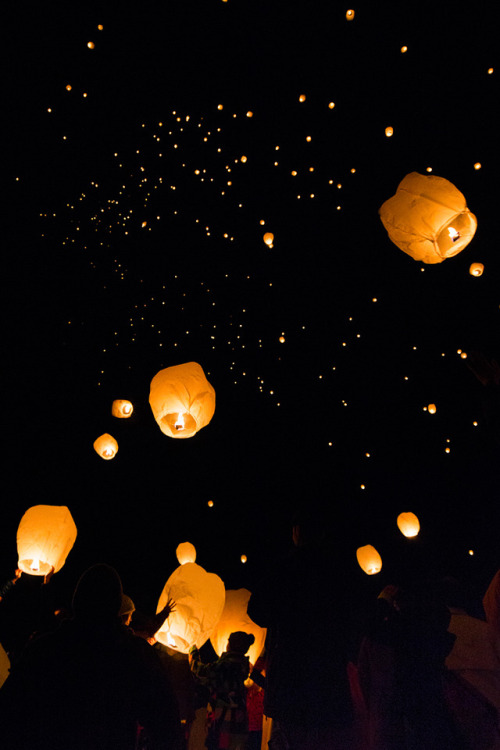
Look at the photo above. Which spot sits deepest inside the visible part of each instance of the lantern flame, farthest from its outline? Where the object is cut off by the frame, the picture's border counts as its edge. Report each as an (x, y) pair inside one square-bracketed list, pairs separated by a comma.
[(454, 235), (108, 452), (179, 423), (35, 566), (127, 409)]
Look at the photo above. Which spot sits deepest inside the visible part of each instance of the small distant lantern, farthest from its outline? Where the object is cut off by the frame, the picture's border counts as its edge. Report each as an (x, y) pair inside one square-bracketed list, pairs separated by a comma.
[(243, 159), (268, 239), (369, 560), (302, 98), (408, 524), (210, 503), (186, 553), (243, 558), (282, 339), (428, 218), (476, 269), (121, 408), (45, 537), (199, 601), (389, 131), (477, 165), (182, 400), (249, 114), (106, 446), (235, 619), (90, 45), (431, 408), (349, 15)]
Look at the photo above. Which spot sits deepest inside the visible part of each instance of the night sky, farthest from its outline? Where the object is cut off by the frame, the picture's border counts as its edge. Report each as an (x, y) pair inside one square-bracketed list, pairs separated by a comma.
[(139, 190)]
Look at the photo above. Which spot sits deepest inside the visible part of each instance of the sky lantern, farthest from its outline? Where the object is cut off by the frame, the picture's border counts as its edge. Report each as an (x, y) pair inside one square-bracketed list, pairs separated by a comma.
[(182, 400), (199, 601), (268, 239), (369, 559), (349, 15), (235, 618), (408, 524), (431, 408), (476, 269), (106, 446), (121, 408), (389, 131), (186, 552), (428, 218), (45, 537)]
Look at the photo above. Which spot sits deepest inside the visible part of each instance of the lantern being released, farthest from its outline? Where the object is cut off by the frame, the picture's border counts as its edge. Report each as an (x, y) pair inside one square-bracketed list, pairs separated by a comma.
[(106, 446), (182, 400), (199, 601), (45, 537), (186, 552), (369, 559), (428, 218), (121, 408), (235, 618), (408, 524)]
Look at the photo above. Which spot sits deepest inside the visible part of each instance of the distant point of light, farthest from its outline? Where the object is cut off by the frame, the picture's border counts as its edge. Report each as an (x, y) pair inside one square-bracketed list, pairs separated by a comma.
[(350, 15), (331, 105), (477, 165), (90, 45), (210, 503), (475, 424), (243, 558), (389, 131), (220, 106), (404, 48), (429, 169), (464, 355), (69, 87), (471, 552), (308, 138), (249, 114), (431, 408), (243, 159), (447, 450), (330, 444), (353, 170), (302, 98), (294, 173), (374, 299), (363, 486), (490, 71), (100, 26), (282, 339), (49, 109)]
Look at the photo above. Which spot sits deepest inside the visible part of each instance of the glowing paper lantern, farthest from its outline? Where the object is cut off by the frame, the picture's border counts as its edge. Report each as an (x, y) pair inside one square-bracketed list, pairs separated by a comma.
[(199, 601), (432, 408), (186, 553), (408, 524), (268, 238), (234, 618), (389, 131), (350, 15), (476, 269), (45, 537), (369, 559), (121, 408), (106, 446), (182, 400), (428, 218)]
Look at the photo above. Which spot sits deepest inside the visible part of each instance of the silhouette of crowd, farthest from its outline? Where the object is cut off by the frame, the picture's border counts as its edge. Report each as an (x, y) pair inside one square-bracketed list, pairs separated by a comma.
[(410, 669)]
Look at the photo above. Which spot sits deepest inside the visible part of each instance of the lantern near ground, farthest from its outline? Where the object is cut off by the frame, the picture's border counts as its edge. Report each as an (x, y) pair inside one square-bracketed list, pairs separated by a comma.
[(106, 446), (408, 524), (45, 537), (186, 552), (369, 559), (182, 400), (121, 408), (476, 269), (199, 601), (234, 618), (428, 218)]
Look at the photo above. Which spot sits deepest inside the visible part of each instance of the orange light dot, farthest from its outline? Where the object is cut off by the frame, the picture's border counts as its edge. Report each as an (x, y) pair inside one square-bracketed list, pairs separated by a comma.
[(243, 558), (349, 15), (249, 114), (404, 48), (243, 159), (210, 503), (302, 98), (331, 105), (90, 45), (389, 131), (69, 87), (308, 138)]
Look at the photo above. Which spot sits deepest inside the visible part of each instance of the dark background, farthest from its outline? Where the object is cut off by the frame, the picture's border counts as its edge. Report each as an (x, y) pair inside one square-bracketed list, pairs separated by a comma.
[(75, 281)]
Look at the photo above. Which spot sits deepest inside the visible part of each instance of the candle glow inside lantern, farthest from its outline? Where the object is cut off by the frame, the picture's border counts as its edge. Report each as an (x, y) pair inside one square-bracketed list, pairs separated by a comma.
[(182, 400), (199, 601), (476, 269), (369, 559), (106, 446), (45, 536), (235, 618), (428, 218), (408, 524), (121, 408)]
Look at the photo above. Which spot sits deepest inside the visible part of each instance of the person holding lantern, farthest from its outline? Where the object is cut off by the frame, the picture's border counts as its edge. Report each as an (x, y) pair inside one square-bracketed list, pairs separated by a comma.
[(90, 684), (225, 679)]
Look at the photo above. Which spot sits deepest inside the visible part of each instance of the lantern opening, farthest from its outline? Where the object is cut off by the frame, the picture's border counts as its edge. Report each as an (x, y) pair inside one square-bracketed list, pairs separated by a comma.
[(456, 235), (34, 567), (180, 422)]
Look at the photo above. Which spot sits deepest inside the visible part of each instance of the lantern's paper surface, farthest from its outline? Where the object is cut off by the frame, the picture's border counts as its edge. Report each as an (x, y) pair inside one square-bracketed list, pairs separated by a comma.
[(45, 537), (408, 524), (199, 601), (428, 218), (185, 552), (234, 618), (122, 408), (106, 446), (182, 400)]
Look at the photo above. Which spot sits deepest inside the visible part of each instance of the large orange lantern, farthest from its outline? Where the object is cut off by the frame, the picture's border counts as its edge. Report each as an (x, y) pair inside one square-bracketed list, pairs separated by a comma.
[(45, 537), (121, 408), (234, 618), (182, 400), (106, 446), (369, 560), (199, 601), (428, 218), (408, 524)]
